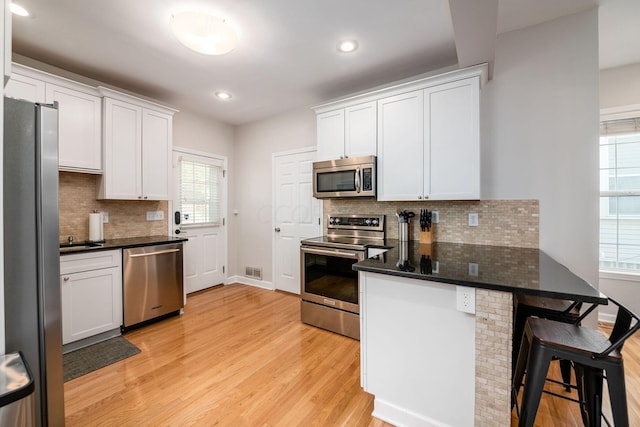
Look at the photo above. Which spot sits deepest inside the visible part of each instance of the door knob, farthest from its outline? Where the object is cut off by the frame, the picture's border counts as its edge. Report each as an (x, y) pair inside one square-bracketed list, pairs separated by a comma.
[(277, 229)]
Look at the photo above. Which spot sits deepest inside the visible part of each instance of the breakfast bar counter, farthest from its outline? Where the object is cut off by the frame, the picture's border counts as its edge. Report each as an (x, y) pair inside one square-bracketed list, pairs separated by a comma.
[(436, 327), (501, 268)]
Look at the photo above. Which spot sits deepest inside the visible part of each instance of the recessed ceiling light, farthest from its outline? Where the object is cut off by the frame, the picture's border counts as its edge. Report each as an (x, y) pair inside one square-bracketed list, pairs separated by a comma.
[(223, 95), (18, 10), (347, 46), (204, 33)]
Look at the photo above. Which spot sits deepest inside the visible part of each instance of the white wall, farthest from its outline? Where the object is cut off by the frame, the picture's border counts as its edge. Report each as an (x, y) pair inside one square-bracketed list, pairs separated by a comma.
[(540, 136), (255, 143), (620, 87), (197, 132)]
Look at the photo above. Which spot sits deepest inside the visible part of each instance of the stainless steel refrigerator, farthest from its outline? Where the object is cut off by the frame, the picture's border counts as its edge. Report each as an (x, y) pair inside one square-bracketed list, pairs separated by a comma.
[(31, 250)]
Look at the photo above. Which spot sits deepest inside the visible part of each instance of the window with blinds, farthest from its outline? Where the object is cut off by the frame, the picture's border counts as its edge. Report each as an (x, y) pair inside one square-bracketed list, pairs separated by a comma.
[(200, 193), (620, 194)]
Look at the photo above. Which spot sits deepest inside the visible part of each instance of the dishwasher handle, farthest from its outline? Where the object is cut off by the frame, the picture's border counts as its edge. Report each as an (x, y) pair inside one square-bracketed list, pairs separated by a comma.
[(168, 251)]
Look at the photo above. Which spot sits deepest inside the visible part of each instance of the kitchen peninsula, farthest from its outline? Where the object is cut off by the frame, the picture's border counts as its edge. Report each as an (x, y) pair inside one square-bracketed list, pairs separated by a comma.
[(425, 343)]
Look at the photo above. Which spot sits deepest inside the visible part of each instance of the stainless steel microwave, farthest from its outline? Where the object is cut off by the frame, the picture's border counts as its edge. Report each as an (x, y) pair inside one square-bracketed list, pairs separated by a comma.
[(350, 177)]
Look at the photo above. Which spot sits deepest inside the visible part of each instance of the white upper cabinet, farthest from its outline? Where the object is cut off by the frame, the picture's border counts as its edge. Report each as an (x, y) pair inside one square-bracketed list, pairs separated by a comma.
[(401, 147), (24, 87), (360, 130), (157, 131), (122, 178), (79, 128), (330, 135), (347, 132), (425, 133), (452, 133), (429, 144), (137, 149), (79, 115)]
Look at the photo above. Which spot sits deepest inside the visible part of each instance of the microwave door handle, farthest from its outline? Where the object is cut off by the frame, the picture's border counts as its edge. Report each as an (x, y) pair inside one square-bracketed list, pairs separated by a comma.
[(357, 179)]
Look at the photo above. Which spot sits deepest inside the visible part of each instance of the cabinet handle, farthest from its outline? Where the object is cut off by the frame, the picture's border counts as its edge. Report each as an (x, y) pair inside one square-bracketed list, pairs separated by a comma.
[(145, 197), (419, 197), (65, 278), (277, 229), (139, 197)]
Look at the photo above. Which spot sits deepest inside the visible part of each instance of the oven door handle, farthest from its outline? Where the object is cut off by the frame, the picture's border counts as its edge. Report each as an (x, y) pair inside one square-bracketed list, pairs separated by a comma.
[(357, 180), (330, 253)]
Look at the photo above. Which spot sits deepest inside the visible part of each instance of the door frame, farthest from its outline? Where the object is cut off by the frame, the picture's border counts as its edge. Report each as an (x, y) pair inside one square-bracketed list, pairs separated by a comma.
[(274, 156), (223, 201)]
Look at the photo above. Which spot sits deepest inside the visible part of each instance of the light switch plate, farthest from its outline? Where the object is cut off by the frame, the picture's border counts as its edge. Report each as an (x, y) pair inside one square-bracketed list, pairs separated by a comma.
[(155, 215), (435, 217), (473, 220), (105, 217)]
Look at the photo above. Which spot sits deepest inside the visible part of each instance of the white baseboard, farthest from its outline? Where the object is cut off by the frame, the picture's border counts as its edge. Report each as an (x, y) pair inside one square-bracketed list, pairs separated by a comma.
[(251, 282), (400, 417), (606, 318)]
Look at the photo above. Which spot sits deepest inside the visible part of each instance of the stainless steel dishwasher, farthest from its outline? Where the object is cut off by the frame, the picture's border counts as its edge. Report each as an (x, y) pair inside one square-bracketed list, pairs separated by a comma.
[(152, 282)]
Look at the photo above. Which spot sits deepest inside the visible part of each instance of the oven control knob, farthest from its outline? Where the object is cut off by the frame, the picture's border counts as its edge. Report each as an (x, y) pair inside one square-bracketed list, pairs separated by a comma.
[(331, 220), (367, 221), (374, 222), (337, 220)]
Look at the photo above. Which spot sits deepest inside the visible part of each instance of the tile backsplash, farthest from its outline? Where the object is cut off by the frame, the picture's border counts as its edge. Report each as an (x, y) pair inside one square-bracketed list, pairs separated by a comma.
[(77, 199), (500, 222)]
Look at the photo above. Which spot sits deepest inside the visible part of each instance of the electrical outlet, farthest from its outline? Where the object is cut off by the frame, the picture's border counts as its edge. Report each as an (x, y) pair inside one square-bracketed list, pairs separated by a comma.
[(466, 299), (105, 217), (155, 215), (473, 269), (435, 217), (473, 220)]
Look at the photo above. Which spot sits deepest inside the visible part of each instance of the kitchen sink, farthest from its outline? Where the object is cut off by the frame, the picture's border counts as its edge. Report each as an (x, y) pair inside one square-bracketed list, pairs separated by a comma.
[(66, 247)]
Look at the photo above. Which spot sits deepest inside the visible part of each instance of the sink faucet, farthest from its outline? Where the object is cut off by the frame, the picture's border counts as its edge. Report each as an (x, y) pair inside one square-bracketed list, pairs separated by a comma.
[(70, 240)]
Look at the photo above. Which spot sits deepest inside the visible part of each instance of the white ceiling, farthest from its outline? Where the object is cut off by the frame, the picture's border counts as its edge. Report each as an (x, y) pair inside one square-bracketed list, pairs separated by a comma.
[(287, 54)]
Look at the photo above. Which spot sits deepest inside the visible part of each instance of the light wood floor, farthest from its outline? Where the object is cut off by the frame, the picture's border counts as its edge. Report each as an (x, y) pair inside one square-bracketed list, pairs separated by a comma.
[(239, 356)]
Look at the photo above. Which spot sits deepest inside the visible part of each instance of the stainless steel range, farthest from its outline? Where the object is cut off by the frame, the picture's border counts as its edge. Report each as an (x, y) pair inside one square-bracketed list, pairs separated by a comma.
[(329, 287)]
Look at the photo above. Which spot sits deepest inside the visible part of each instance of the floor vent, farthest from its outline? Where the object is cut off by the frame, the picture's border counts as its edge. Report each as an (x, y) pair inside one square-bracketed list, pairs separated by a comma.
[(255, 272)]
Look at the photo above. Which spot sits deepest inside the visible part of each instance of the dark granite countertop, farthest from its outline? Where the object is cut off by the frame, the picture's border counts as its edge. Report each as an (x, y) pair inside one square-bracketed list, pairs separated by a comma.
[(130, 242), (507, 269)]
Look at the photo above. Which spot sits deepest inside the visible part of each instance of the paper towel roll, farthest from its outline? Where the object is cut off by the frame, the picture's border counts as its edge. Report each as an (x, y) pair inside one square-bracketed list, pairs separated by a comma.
[(95, 227)]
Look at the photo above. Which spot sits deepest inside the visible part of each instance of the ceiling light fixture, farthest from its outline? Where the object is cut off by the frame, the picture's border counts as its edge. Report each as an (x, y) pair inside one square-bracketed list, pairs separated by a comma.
[(204, 33), (223, 95), (18, 10), (347, 46)]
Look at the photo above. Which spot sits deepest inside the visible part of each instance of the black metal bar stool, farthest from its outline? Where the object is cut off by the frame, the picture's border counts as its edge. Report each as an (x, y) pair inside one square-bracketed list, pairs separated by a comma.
[(560, 310), (592, 354)]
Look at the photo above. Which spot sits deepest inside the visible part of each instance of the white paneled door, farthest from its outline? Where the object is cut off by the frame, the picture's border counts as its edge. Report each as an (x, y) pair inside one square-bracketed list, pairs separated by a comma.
[(296, 215), (199, 200)]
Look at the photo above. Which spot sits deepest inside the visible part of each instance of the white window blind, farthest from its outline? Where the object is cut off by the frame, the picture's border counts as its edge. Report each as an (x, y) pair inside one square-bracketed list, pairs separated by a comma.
[(200, 192), (620, 194)]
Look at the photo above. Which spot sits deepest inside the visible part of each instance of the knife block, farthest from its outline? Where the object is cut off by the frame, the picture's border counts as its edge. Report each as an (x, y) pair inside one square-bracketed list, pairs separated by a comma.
[(426, 237)]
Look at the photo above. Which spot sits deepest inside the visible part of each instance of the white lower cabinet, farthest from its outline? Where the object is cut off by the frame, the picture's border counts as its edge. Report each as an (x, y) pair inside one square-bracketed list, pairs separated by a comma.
[(417, 351), (91, 286)]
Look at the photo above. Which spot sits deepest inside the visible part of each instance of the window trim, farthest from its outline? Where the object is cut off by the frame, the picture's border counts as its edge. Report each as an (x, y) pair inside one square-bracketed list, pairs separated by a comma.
[(608, 114), (209, 161)]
